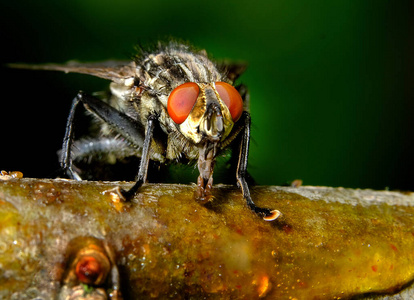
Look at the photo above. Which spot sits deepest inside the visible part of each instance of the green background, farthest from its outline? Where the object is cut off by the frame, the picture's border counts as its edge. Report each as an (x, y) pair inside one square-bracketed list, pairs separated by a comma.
[(330, 81)]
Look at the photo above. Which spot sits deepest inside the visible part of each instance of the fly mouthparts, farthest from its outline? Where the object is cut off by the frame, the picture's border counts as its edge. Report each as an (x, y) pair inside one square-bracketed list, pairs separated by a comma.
[(213, 127)]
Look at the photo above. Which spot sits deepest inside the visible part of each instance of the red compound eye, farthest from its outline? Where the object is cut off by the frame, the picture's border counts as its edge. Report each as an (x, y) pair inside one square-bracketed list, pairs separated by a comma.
[(182, 100), (231, 98)]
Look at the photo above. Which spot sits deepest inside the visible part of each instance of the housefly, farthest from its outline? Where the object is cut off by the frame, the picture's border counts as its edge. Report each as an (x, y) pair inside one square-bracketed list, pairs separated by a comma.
[(169, 104)]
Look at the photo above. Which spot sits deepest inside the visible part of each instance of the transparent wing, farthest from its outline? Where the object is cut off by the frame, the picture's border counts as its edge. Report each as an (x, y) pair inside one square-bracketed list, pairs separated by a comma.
[(232, 69), (117, 71)]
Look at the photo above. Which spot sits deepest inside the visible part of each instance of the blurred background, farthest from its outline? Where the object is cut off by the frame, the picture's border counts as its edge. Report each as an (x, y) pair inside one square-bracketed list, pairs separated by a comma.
[(330, 81)]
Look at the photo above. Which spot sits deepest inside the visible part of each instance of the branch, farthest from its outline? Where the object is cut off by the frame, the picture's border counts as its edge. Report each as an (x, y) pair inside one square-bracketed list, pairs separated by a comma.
[(330, 243)]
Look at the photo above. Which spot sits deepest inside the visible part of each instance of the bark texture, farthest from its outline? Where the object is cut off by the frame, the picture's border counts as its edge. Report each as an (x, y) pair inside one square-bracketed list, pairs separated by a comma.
[(330, 243)]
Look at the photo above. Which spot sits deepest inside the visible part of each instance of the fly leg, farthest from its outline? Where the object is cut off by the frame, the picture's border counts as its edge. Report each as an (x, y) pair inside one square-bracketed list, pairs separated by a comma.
[(127, 127), (66, 154), (143, 166), (267, 214)]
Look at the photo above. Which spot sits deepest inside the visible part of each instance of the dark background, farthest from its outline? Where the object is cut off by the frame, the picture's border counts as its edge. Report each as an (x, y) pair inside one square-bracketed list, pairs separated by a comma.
[(330, 81)]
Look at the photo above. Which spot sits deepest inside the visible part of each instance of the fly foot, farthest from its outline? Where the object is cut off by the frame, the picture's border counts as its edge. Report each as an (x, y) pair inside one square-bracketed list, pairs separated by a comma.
[(265, 213), (68, 172), (128, 195)]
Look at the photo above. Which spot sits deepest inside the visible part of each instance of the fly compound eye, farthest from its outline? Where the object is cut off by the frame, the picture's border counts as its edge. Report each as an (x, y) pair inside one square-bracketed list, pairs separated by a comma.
[(182, 100), (231, 98)]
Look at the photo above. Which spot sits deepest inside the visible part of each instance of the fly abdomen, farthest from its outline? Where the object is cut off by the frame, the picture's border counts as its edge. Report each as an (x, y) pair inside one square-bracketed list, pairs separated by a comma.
[(108, 149)]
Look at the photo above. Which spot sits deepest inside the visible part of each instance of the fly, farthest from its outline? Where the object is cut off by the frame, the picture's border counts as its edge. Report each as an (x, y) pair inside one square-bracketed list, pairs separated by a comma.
[(170, 104)]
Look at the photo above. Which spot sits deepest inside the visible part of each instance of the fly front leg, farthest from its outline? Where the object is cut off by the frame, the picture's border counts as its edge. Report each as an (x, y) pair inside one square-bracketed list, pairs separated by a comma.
[(143, 166), (267, 214)]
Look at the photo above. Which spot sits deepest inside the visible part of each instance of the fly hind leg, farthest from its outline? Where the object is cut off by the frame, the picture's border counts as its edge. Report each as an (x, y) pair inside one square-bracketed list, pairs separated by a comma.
[(66, 154), (131, 130)]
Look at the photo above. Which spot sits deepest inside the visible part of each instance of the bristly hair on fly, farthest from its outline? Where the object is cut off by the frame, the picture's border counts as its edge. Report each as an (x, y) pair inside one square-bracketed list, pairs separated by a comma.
[(230, 68), (142, 49)]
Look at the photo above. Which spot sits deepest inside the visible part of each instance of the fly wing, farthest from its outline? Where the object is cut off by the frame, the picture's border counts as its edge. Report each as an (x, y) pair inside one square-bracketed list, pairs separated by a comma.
[(116, 71), (232, 69)]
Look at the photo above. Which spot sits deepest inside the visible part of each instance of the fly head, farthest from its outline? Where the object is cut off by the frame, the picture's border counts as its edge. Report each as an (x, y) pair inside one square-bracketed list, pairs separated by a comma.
[(205, 114)]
